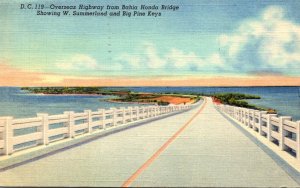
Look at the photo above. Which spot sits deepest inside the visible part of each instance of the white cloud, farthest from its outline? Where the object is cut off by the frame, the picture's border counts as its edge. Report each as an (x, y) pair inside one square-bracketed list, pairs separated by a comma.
[(182, 60), (82, 62), (152, 58), (133, 60), (234, 43), (173, 60), (273, 13), (269, 42), (215, 60), (77, 62)]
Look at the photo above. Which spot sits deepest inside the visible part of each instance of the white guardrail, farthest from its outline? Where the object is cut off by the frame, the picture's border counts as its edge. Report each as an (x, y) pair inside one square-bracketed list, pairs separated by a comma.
[(20, 134), (280, 130)]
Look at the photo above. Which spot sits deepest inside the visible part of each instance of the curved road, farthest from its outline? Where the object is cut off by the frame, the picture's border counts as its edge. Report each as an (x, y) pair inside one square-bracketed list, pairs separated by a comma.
[(196, 148)]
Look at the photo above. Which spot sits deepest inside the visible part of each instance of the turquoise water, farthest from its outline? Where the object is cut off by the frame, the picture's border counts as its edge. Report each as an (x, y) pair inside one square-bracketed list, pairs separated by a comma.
[(285, 100), (14, 102), (17, 103)]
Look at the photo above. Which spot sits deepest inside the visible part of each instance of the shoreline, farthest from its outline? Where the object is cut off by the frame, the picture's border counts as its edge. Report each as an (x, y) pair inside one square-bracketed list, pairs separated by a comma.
[(267, 101), (122, 102), (43, 94)]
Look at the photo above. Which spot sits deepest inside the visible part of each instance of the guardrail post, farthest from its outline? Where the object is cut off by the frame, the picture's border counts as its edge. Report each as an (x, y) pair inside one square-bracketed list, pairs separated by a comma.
[(243, 120), (7, 134), (44, 128), (269, 125), (232, 111), (103, 115), (241, 115), (152, 111), (260, 121), (252, 118), (298, 139), (149, 111), (146, 112), (123, 115), (281, 131), (137, 113), (130, 114), (70, 123), (114, 116), (142, 115), (237, 113), (89, 120), (248, 118)]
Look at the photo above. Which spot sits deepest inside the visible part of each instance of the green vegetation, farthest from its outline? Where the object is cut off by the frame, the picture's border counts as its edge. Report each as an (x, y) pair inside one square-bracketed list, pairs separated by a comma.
[(157, 98), (236, 99), (125, 95), (130, 97), (142, 98), (73, 90), (163, 103), (228, 98)]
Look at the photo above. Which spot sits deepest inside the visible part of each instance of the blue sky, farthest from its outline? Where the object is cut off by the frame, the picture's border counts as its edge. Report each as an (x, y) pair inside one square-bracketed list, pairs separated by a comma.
[(236, 38)]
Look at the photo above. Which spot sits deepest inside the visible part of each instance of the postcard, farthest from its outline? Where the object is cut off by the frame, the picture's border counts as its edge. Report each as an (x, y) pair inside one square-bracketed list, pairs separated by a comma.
[(159, 93)]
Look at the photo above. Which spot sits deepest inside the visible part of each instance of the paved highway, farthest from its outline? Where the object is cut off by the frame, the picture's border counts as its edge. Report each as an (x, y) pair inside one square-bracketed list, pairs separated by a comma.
[(196, 148)]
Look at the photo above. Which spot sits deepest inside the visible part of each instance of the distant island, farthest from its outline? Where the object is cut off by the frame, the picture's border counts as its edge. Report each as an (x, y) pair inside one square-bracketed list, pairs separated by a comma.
[(71, 90), (123, 95)]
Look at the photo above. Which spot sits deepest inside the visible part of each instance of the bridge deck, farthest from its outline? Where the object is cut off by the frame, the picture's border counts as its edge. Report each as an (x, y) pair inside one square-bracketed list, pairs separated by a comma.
[(209, 152)]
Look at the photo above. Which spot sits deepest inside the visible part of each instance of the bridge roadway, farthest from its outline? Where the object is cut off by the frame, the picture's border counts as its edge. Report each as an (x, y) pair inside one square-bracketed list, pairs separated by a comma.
[(206, 151)]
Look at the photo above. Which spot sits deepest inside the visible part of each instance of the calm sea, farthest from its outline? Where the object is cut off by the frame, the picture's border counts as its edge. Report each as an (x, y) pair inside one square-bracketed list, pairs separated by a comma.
[(14, 102), (285, 100), (17, 103)]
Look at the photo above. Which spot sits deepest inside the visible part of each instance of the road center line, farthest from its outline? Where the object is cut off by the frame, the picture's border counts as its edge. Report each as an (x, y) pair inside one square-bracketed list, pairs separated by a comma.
[(133, 177)]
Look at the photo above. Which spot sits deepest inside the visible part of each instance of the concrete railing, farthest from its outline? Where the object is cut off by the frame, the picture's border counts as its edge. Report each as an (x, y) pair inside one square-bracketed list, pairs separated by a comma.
[(280, 130), (20, 134)]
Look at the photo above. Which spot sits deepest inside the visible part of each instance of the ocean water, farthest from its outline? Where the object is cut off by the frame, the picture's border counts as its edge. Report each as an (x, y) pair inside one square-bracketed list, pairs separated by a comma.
[(14, 102), (286, 100), (19, 104)]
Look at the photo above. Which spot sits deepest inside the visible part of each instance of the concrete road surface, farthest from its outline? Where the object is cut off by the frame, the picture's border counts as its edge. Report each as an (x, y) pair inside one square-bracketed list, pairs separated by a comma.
[(206, 150)]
